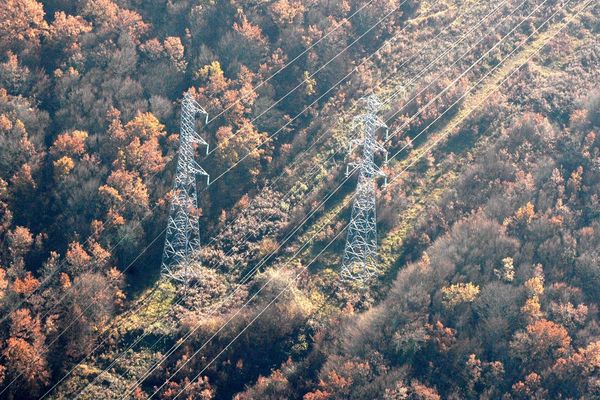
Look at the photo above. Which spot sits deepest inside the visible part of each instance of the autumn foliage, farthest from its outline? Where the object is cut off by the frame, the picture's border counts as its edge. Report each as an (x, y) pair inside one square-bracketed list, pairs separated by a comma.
[(489, 280)]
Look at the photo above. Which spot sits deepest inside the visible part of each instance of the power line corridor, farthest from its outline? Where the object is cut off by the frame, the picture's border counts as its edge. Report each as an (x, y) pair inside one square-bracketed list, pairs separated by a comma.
[(345, 206)]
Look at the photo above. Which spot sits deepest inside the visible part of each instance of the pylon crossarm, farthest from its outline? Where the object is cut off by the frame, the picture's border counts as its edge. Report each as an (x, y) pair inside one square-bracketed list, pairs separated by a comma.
[(197, 139), (380, 124), (197, 169), (379, 148), (195, 104), (351, 168), (373, 103)]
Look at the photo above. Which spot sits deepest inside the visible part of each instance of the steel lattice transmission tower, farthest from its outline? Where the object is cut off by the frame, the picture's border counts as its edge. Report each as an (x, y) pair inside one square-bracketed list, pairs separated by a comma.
[(182, 240), (360, 253)]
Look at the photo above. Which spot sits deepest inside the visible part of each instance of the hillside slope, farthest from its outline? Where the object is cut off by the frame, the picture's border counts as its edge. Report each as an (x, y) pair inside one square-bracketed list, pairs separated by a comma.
[(488, 279)]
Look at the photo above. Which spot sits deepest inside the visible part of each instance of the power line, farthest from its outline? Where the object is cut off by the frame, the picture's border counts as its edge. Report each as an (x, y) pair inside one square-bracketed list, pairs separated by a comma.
[(245, 278), (317, 207), (354, 69), (455, 43), (303, 269), (140, 337)]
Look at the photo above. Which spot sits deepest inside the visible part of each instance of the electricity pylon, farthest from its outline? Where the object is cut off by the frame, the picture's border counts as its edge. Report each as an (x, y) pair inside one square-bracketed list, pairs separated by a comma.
[(182, 240), (360, 253)]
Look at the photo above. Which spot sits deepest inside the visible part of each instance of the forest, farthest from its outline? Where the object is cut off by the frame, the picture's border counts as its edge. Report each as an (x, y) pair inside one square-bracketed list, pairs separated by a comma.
[(486, 280)]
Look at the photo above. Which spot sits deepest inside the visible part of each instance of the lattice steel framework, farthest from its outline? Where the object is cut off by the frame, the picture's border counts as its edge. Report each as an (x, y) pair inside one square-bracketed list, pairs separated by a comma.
[(182, 240), (360, 253)]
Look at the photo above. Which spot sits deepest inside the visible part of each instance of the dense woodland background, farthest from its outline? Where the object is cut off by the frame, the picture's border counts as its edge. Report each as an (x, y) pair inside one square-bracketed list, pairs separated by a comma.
[(490, 243)]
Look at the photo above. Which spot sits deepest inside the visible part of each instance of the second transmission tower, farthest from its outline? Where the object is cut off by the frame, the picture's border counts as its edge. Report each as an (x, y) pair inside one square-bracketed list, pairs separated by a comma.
[(360, 253), (182, 240)]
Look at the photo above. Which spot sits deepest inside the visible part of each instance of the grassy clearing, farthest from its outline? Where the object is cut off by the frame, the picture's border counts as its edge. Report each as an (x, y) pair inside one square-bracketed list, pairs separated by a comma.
[(152, 303)]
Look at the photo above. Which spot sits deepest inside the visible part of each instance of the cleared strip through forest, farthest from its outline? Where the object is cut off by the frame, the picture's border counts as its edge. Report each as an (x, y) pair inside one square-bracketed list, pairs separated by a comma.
[(308, 217), (510, 54), (335, 238), (166, 308)]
